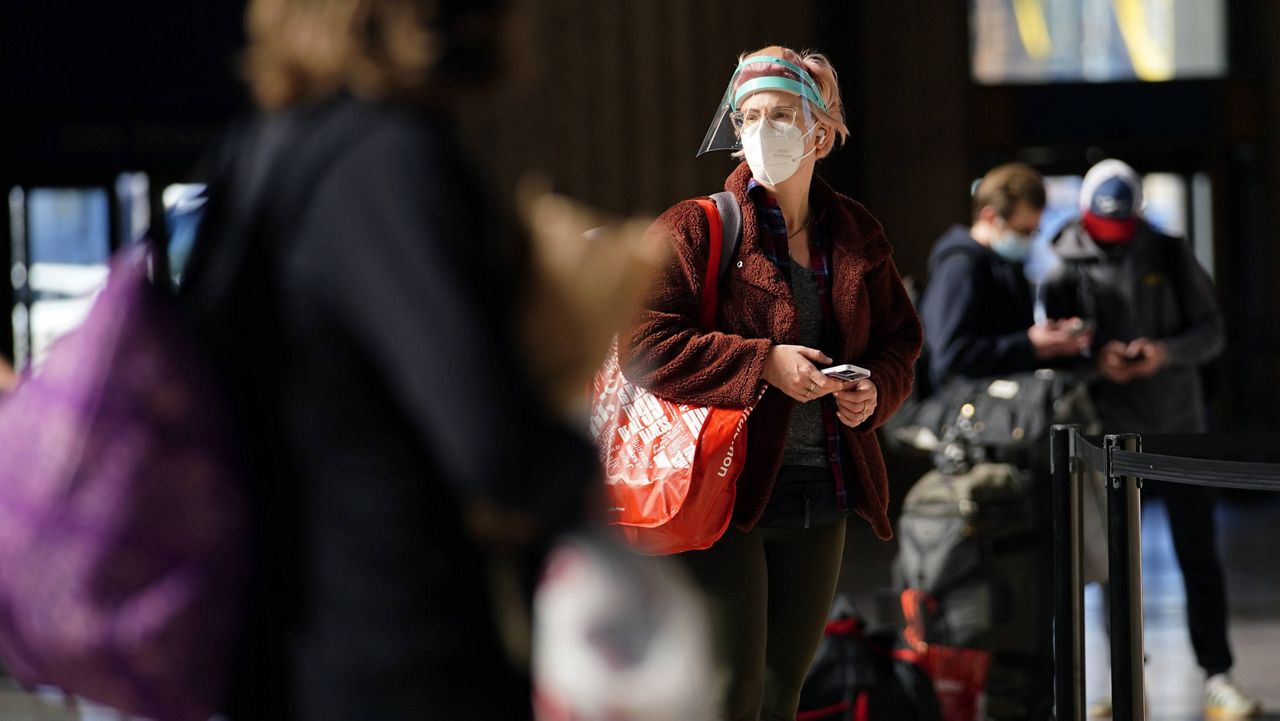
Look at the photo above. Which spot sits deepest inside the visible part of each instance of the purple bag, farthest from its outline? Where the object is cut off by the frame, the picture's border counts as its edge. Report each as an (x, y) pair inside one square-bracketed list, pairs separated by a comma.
[(122, 514)]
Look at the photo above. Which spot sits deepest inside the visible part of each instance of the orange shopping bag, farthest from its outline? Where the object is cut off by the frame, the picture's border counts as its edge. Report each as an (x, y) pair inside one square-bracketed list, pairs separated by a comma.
[(670, 468)]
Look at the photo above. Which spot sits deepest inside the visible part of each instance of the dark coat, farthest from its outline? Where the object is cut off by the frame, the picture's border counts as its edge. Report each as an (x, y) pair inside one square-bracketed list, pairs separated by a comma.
[(976, 311), (366, 348), (1151, 287), (666, 352)]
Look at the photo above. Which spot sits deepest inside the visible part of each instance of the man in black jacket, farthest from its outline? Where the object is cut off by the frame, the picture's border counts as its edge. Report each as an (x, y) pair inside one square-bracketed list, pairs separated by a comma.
[(978, 309), (1157, 323)]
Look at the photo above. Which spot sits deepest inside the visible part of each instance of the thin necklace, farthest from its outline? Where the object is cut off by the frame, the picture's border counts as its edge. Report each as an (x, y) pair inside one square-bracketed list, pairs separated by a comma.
[(801, 228)]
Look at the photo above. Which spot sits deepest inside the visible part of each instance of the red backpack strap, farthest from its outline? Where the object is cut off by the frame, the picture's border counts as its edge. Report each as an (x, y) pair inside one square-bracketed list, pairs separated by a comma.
[(862, 707), (711, 279)]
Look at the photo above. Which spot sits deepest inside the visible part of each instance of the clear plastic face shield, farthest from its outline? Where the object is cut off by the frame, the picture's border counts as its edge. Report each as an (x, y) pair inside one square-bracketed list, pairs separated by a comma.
[(798, 105)]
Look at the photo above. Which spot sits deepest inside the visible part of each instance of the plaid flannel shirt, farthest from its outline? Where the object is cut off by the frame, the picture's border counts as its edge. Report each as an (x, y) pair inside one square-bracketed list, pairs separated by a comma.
[(773, 236)]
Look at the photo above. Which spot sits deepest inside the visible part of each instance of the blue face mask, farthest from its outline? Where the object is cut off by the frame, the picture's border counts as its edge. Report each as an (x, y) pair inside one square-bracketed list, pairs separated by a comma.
[(1013, 246)]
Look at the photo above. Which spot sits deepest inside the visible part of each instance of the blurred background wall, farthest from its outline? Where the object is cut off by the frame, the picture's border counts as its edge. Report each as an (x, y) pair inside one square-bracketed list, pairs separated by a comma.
[(622, 92)]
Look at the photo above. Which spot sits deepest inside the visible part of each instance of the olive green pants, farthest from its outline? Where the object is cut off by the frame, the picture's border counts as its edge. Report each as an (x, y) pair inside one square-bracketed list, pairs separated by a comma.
[(768, 593)]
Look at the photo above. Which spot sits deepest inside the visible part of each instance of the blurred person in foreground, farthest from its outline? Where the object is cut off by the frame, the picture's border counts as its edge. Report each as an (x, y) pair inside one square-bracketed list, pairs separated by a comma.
[(813, 285), (978, 307), (1157, 322), (388, 351)]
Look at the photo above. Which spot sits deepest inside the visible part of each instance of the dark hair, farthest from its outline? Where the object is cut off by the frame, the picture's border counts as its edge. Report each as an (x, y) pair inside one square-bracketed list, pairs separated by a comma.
[(1006, 186)]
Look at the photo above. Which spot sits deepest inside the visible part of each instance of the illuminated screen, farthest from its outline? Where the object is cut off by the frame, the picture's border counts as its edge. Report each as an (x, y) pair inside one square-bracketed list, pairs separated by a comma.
[(1047, 41)]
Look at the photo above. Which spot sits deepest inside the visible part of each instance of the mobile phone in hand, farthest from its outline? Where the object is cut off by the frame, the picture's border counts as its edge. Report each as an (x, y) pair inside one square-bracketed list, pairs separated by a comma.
[(846, 372), (1080, 327)]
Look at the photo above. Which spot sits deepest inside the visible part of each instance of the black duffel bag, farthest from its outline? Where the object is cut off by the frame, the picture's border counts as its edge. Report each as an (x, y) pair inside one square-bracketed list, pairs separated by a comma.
[(1005, 414)]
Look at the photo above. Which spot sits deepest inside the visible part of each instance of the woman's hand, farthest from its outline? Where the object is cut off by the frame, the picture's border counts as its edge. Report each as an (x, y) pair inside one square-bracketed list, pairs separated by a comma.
[(856, 402), (791, 369)]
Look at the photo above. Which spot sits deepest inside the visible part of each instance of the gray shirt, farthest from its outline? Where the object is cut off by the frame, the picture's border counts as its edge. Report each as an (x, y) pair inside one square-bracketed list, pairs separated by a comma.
[(806, 437)]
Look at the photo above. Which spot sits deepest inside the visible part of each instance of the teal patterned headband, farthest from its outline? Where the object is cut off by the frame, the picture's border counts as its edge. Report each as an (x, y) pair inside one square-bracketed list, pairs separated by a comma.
[(807, 89)]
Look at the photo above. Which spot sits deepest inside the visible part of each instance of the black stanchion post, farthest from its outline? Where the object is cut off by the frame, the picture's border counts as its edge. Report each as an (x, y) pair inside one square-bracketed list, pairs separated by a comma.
[(1068, 639), (1124, 538)]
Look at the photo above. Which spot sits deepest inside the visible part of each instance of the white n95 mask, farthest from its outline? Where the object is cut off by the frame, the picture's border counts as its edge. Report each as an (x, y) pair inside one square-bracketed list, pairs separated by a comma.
[(773, 154)]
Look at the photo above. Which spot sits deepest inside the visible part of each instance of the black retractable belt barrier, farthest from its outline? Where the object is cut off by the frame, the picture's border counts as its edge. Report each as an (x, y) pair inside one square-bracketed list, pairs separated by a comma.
[(1124, 465), (1124, 571), (1199, 471)]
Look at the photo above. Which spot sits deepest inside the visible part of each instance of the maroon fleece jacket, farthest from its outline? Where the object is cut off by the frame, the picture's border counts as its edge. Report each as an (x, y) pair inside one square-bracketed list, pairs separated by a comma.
[(664, 350)]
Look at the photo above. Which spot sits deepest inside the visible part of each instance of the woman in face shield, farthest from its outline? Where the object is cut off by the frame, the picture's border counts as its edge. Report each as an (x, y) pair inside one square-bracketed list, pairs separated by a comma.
[(811, 285)]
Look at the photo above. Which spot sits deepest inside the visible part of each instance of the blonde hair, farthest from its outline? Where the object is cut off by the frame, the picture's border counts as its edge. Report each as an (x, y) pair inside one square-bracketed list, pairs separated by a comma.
[(302, 51), (823, 74)]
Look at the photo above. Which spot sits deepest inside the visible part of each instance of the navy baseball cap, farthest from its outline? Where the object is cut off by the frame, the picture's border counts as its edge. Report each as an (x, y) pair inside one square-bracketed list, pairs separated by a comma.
[(1110, 202)]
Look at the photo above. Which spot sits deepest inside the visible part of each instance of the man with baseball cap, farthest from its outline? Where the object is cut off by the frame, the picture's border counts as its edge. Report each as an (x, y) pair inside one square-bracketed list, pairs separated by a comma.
[(1157, 321)]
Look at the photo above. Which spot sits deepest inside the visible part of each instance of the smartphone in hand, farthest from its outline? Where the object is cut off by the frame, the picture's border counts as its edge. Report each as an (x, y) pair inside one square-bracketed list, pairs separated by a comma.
[(1080, 327), (847, 372), (1133, 359)]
